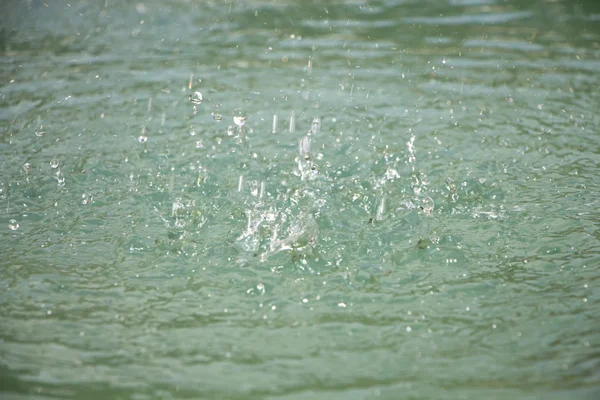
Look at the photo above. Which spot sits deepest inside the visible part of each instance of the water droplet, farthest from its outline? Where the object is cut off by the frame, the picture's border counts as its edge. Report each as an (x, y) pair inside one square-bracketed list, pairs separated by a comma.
[(13, 224), (293, 122), (426, 205), (343, 305), (199, 144), (27, 167), (142, 139), (196, 98), (230, 130), (239, 121), (261, 288), (54, 164), (274, 130), (216, 117), (316, 125)]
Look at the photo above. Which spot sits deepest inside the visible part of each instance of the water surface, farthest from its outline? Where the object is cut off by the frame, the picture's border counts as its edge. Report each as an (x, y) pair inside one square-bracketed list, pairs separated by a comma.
[(419, 221)]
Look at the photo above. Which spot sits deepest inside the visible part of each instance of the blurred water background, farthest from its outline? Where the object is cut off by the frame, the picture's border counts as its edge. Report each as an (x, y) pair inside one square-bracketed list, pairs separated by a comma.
[(408, 210)]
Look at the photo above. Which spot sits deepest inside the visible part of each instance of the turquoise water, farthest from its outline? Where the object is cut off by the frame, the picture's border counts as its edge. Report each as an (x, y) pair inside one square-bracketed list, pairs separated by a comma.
[(409, 209)]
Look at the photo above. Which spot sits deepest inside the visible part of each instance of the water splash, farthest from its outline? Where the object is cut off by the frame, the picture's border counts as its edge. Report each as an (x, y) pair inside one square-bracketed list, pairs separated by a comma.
[(196, 98), (239, 121), (316, 125)]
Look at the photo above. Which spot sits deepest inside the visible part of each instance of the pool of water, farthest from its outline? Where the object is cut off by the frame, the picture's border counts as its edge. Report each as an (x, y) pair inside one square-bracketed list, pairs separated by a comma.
[(408, 210)]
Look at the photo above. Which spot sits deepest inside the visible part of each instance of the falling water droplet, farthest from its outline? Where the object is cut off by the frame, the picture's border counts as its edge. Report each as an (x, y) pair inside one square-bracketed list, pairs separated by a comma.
[(381, 208), (27, 167), (293, 123), (54, 164), (141, 139), (274, 123), (13, 224)]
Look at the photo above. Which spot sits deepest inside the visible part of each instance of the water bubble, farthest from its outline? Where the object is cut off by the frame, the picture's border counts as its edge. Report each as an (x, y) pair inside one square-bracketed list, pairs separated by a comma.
[(142, 139), (13, 224), (196, 98), (239, 121), (27, 167), (216, 117), (54, 164)]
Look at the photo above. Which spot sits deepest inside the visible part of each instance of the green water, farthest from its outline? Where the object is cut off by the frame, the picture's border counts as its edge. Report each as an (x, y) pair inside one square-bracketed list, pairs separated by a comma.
[(439, 238)]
